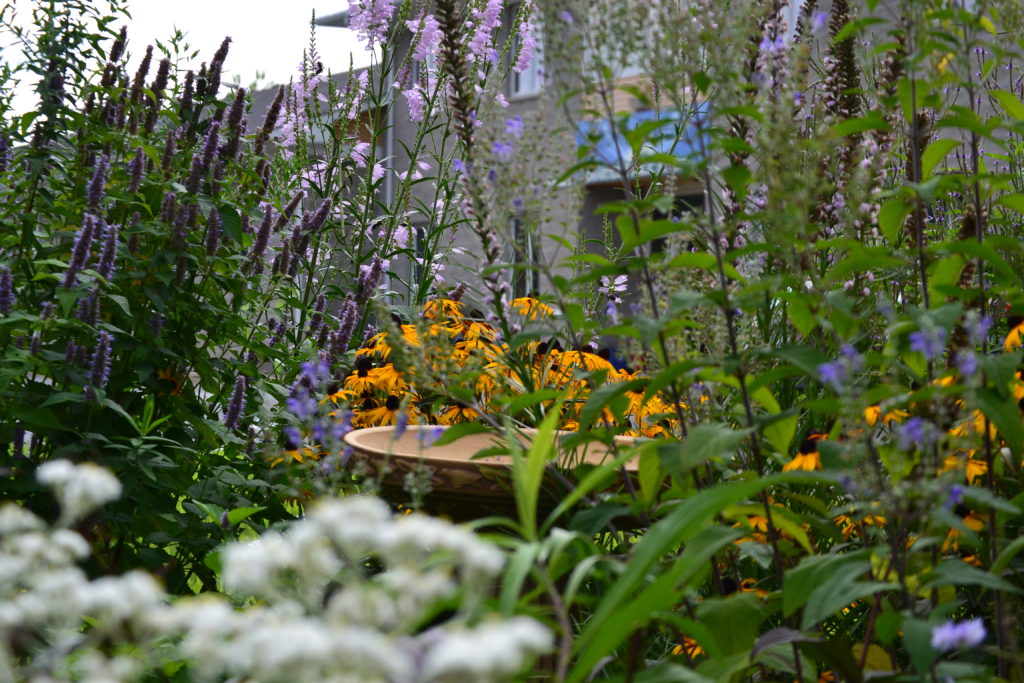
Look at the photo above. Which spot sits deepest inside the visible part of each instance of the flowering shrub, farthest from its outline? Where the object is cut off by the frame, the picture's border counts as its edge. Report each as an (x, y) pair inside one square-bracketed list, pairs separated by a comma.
[(348, 593)]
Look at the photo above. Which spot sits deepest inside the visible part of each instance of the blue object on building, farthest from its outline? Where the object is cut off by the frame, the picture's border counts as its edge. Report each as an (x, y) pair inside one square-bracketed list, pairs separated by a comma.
[(664, 132)]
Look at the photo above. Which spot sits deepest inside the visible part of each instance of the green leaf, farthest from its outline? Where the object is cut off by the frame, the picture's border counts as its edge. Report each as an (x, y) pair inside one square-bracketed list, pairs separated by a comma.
[(514, 576), (650, 475), (1006, 555), (956, 572), (935, 153), (708, 441), (917, 638), (239, 515), (733, 621), (528, 470), (1005, 415), (679, 526), (600, 637), (1009, 102), (891, 218)]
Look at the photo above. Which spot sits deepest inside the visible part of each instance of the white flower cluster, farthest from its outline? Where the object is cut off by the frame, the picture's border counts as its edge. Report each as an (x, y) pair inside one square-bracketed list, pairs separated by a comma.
[(344, 594)]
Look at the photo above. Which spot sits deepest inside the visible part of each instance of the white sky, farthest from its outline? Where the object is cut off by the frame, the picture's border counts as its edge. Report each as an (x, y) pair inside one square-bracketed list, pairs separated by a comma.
[(268, 36)]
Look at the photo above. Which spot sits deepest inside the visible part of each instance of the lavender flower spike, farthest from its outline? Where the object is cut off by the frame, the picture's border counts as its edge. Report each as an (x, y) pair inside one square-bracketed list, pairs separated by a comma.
[(80, 251), (97, 186), (108, 256), (135, 167), (212, 232), (237, 405), (6, 291), (99, 370)]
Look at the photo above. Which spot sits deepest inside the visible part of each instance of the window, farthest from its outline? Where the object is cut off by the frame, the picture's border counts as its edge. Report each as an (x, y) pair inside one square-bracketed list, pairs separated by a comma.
[(529, 81), (525, 278)]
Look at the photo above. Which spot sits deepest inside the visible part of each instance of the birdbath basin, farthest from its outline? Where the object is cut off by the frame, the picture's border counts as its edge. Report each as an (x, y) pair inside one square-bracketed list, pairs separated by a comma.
[(462, 485)]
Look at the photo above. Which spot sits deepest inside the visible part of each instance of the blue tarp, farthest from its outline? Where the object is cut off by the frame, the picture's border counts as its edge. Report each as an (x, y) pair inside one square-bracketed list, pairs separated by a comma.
[(596, 136)]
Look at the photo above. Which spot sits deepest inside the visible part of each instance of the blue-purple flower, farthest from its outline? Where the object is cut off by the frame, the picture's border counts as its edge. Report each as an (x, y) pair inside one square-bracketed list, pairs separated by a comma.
[(929, 342), (955, 635)]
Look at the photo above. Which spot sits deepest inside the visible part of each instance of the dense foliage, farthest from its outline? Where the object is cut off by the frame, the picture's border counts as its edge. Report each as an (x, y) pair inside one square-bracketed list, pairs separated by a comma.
[(821, 366)]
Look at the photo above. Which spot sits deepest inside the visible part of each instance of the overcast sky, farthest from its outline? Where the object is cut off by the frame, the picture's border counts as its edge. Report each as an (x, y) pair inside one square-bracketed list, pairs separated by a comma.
[(268, 36)]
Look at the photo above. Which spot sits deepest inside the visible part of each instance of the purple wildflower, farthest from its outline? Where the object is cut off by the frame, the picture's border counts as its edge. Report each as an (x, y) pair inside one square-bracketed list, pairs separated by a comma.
[(259, 245), (954, 635), (319, 217), (292, 439), (71, 353), (302, 405), (168, 208), (108, 255), (954, 496), (80, 250), (99, 370), (566, 16), (502, 149), (401, 423), (485, 20), (35, 344), (212, 232), (967, 363), (5, 149), (369, 277), (427, 35), (317, 319), (930, 343), (237, 404), (6, 291), (170, 148), (417, 103), (527, 44), (915, 433), (514, 126), (97, 185), (46, 310), (135, 167), (978, 329), (428, 437), (818, 21), (371, 19), (834, 374)]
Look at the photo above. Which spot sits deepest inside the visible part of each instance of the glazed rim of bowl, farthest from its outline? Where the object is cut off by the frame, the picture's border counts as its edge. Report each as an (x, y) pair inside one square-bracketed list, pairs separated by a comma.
[(379, 441)]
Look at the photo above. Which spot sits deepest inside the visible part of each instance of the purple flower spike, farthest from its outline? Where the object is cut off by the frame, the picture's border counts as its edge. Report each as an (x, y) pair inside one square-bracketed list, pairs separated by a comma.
[(6, 291), (212, 232), (237, 404), (108, 257), (97, 186), (81, 249), (99, 369), (135, 167)]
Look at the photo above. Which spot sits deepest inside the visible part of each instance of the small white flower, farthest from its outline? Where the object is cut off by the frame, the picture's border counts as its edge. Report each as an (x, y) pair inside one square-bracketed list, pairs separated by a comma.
[(79, 488)]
